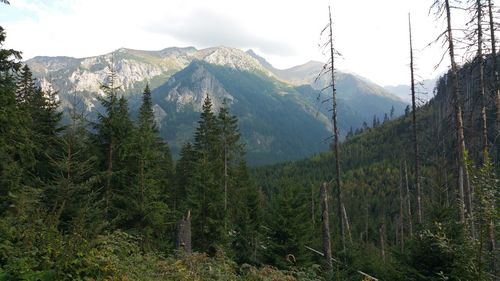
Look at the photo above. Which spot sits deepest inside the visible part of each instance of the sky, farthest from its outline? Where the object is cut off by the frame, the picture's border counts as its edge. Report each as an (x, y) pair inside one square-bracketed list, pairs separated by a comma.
[(371, 35)]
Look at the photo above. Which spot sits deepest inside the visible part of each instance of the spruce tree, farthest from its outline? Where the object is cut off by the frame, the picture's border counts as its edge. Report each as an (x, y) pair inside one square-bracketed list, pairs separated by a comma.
[(149, 167), (26, 86), (112, 129), (183, 174), (231, 149), (289, 229), (247, 216), (41, 110), (70, 193), (15, 144), (206, 193)]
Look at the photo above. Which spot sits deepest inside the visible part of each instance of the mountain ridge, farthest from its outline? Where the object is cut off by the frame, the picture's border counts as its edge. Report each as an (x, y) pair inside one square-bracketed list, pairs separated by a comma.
[(181, 77)]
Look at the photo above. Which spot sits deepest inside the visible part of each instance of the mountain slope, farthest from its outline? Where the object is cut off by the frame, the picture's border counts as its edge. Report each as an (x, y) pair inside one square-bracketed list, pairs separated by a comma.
[(424, 90), (362, 95), (379, 194), (275, 120), (280, 111)]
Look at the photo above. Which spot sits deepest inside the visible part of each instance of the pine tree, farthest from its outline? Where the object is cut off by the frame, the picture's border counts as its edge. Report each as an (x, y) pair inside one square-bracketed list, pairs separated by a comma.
[(183, 174), (231, 149), (26, 86), (207, 133), (16, 148), (289, 230), (206, 193), (41, 109), (149, 166), (70, 192), (112, 129), (247, 216)]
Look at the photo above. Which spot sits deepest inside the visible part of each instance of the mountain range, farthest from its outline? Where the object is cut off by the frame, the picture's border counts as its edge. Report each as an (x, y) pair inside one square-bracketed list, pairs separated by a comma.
[(424, 90), (282, 113)]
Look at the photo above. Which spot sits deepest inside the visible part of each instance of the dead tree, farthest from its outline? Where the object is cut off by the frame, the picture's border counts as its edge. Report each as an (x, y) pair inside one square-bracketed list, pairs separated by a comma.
[(336, 135), (495, 62), (482, 85), (329, 68), (313, 209), (183, 241), (462, 173), (408, 202), (381, 232), (346, 221), (401, 209), (415, 138), (496, 88), (475, 38), (327, 249), (365, 275)]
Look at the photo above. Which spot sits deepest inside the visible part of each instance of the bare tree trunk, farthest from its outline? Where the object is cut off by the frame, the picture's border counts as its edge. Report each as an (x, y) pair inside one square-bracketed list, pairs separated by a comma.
[(495, 64), (461, 192), (367, 217), (482, 85), (327, 249), (183, 241), (401, 210), (415, 141), (497, 89), (463, 179), (381, 231), (346, 220), (493, 249), (336, 137), (313, 219), (408, 202)]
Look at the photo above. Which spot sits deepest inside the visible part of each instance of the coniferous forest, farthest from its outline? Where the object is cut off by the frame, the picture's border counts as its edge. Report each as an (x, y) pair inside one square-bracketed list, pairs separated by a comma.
[(102, 197)]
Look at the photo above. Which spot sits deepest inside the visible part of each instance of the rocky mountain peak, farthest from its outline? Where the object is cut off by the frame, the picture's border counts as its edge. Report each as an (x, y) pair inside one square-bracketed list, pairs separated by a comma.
[(232, 57)]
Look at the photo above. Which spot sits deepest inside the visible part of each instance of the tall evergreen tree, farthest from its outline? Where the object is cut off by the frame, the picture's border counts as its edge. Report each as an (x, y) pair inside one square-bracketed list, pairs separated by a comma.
[(289, 230), (41, 110), (184, 170), (149, 167), (112, 129), (69, 193), (26, 86), (231, 149), (206, 194), (16, 150), (247, 217)]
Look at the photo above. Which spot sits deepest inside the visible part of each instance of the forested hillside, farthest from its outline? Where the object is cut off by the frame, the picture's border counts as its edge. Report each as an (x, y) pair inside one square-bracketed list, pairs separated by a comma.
[(104, 201), (379, 194)]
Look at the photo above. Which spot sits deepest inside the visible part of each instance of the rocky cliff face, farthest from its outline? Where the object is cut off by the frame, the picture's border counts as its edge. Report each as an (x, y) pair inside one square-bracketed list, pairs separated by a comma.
[(193, 91), (134, 68)]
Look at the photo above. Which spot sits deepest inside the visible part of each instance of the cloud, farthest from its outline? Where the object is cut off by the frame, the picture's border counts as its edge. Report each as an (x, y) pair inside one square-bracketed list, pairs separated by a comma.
[(205, 28), (373, 40)]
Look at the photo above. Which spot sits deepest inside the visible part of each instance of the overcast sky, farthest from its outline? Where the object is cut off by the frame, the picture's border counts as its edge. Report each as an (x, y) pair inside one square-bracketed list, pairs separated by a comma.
[(372, 35)]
